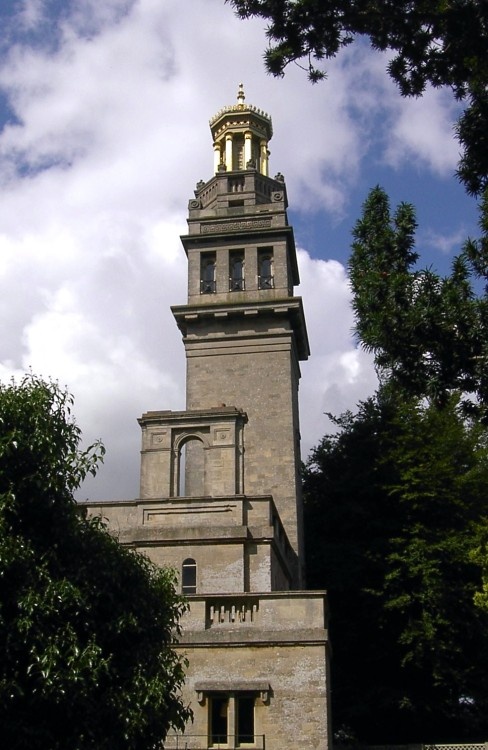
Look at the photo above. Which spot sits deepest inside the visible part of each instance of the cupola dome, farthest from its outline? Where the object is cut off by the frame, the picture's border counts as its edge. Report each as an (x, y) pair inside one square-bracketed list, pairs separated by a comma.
[(241, 133)]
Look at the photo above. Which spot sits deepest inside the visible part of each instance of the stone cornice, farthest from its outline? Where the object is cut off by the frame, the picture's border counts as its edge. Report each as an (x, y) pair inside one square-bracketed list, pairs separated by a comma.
[(291, 307)]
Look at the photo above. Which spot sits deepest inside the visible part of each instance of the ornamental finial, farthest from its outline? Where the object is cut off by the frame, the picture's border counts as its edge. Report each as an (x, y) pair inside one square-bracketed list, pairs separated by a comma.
[(240, 95)]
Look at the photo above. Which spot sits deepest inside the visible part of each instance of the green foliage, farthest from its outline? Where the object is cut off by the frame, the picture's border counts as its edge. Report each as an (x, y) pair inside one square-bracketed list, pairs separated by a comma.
[(86, 626), (479, 555), (434, 42), (429, 333), (429, 338), (392, 505), (472, 132)]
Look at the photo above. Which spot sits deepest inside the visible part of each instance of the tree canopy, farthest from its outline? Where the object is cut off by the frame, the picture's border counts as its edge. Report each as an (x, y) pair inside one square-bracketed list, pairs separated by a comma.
[(429, 333), (395, 501), (86, 626), (394, 506), (434, 42)]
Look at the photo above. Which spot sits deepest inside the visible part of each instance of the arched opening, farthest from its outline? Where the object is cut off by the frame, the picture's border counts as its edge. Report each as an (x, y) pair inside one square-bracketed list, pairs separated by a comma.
[(189, 576), (265, 268), (236, 268), (207, 274), (191, 468)]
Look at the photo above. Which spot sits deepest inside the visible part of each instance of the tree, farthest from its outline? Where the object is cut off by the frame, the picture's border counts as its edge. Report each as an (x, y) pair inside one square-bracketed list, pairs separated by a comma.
[(392, 503), (429, 333), (86, 626), (437, 42), (479, 555)]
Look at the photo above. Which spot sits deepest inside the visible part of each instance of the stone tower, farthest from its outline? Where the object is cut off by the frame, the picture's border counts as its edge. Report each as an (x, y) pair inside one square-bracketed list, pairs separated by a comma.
[(220, 496)]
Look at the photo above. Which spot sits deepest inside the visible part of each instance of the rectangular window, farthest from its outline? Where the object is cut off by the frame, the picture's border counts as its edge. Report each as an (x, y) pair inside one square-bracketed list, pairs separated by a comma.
[(240, 706), (245, 719), (265, 268), (218, 715)]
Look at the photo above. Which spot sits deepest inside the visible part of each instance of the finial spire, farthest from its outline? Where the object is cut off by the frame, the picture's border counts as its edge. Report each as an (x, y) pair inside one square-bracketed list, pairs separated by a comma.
[(240, 95)]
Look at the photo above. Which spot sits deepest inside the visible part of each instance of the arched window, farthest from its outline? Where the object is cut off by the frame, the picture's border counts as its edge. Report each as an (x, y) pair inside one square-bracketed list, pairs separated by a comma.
[(207, 274), (265, 268), (236, 268), (189, 576)]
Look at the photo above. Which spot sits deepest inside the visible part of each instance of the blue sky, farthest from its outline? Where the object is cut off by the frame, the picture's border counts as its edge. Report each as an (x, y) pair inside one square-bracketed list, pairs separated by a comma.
[(104, 111), (446, 215)]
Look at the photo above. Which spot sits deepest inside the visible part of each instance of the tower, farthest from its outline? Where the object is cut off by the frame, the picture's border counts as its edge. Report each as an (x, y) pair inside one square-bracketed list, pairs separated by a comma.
[(244, 331), (220, 496)]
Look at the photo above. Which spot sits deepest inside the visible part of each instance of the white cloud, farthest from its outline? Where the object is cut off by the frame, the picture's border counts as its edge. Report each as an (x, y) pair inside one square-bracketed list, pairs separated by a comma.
[(110, 138), (446, 243), (338, 374), (422, 130)]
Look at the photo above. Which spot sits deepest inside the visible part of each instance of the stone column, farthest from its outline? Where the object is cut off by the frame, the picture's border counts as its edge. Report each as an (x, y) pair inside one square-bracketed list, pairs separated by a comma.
[(247, 148), (228, 152), (231, 721), (217, 157), (264, 158)]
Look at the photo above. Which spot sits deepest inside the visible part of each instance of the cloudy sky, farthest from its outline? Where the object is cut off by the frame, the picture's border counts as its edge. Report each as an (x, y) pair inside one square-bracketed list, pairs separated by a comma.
[(104, 110)]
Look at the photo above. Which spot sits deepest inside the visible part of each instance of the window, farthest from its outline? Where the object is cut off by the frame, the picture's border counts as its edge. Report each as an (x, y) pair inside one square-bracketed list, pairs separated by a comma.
[(236, 272), (245, 719), (232, 709), (265, 268), (189, 576), (207, 274), (219, 708)]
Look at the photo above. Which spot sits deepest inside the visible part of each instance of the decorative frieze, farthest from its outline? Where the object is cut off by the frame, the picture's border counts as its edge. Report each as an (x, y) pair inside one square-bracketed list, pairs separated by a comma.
[(236, 226)]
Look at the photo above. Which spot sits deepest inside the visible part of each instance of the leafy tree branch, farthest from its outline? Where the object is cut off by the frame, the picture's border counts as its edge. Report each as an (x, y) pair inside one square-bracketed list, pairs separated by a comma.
[(87, 627)]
